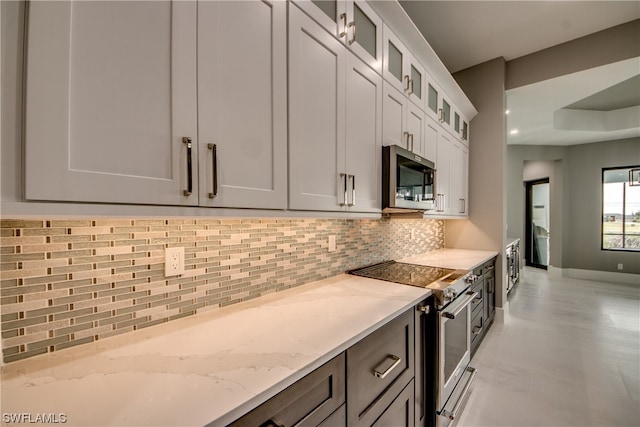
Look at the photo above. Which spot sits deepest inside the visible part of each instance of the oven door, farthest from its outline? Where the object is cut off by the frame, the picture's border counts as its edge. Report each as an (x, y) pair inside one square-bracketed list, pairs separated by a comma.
[(454, 345)]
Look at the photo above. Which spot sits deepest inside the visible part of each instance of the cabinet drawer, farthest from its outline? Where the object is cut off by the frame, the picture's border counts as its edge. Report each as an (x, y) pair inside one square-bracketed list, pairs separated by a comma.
[(378, 368), (477, 328), (306, 403), (477, 304), (337, 419), (401, 412)]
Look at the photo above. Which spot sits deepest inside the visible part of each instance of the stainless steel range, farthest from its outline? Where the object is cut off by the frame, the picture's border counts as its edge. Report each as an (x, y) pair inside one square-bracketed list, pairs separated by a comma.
[(453, 375)]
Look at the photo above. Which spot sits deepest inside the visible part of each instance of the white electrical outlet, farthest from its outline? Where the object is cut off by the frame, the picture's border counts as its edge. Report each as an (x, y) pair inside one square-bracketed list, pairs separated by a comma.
[(173, 261), (620, 267), (332, 243)]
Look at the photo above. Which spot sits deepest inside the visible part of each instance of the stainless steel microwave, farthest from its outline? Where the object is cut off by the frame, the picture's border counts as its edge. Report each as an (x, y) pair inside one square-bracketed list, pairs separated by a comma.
[(408, 181)]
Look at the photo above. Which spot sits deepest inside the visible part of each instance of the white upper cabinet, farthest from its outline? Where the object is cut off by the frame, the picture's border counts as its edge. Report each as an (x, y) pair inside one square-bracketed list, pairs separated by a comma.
[(401, 69), (242, 105), (317, 90), (459, 179), (394, 107), (430, 146), (353, 22), (443, 175), (335, 111), (403, 121), (364, 137), (111, 102)]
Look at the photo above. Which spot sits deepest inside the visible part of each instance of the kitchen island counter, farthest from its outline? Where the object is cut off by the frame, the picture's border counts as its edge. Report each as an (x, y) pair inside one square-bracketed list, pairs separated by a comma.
[(206, 369)]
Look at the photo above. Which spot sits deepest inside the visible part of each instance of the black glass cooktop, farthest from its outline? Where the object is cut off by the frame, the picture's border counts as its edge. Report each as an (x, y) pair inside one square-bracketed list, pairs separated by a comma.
[(406, 274)]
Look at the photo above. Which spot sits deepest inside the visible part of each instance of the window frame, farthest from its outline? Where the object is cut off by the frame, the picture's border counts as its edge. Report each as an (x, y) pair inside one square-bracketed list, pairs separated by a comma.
[(624, 204)]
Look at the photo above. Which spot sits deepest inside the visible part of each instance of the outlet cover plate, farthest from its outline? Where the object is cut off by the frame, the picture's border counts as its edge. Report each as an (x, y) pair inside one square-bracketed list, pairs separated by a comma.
[(174, 261)]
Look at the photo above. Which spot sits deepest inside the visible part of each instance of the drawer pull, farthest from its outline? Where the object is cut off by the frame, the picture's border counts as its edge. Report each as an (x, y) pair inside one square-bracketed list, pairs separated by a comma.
[(477, 330), (381, 371)]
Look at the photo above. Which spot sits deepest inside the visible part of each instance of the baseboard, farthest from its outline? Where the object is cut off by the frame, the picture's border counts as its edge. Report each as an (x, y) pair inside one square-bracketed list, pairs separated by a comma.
[(502, 314), (603, 276)]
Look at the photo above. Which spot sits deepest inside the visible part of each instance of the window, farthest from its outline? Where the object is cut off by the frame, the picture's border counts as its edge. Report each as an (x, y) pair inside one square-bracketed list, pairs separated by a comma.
[(621, 209)]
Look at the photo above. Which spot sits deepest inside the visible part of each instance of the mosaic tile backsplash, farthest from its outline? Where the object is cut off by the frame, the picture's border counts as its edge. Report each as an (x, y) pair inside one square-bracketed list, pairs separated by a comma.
[(65, 283)]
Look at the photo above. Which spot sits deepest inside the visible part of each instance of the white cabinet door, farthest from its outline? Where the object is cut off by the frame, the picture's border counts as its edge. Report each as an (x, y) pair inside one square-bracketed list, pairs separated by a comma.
[(430, 146), (443, 180), (459, 179), (415, 128), (110, 95), (364, 136), (242, 110), (394, 108), (316, 116)]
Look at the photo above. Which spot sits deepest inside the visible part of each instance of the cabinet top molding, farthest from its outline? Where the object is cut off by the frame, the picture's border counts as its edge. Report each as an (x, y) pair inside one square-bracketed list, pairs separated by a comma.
[(397, 19)]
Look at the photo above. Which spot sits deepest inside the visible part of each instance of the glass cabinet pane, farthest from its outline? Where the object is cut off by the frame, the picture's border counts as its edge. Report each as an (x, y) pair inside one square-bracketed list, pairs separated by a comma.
[(329, 7), (365, 31), (464, 130), (446, 108), (395, 61), (433, 99), (416, 78), (456, 122)]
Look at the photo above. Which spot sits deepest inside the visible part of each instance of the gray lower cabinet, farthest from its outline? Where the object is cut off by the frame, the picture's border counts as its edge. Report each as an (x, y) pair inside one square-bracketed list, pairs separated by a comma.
[(311, 401), (483, 307), (378, 368), (372, 384), (401, 411)]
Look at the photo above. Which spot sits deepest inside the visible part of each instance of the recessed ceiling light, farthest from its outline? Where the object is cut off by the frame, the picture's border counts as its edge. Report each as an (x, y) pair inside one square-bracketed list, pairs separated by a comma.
[(514, 131), (507, 111)]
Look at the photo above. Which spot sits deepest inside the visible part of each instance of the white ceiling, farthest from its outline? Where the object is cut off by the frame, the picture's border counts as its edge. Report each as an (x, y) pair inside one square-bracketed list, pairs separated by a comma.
[(467, 33)]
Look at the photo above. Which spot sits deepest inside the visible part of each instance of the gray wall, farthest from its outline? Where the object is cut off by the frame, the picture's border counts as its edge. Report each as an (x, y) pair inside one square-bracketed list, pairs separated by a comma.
[(484, 85), (604, 47), (575, 178)]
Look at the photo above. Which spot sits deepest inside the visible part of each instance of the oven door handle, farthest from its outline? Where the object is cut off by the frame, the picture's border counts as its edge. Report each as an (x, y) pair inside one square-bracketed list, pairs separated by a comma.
[(470, 297)]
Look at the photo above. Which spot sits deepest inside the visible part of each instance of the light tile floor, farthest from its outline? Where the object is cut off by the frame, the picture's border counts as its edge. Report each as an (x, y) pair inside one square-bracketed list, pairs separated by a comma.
[(569, 355)]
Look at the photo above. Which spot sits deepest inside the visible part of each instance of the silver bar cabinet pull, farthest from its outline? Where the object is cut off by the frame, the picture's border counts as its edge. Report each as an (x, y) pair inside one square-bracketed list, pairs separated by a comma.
[(187, 141), (353, 37), (343, 18), (395, 361), (353, 190), (344, 176), (214, 159)]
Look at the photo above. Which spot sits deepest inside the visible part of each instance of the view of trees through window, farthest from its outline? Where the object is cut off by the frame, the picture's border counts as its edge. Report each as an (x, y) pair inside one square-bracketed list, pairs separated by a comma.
[(621, 208)]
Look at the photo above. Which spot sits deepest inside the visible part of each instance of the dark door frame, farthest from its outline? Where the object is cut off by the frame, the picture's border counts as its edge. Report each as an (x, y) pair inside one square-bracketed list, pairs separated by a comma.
[(529, 242)]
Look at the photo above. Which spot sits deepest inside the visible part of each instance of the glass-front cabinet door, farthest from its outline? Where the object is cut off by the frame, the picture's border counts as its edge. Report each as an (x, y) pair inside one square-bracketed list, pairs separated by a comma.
[(330, 14), (364, 33), (433, 99), (353, 22), (401, 69)]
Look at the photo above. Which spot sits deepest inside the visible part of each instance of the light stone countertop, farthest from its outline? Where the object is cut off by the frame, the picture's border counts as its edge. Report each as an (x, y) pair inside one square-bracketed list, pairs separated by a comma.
[(464, 259), (209, 368)]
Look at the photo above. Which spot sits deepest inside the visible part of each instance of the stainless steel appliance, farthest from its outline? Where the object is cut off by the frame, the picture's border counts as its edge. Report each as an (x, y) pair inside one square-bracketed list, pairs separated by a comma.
[(408, 181), (451, 372)]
